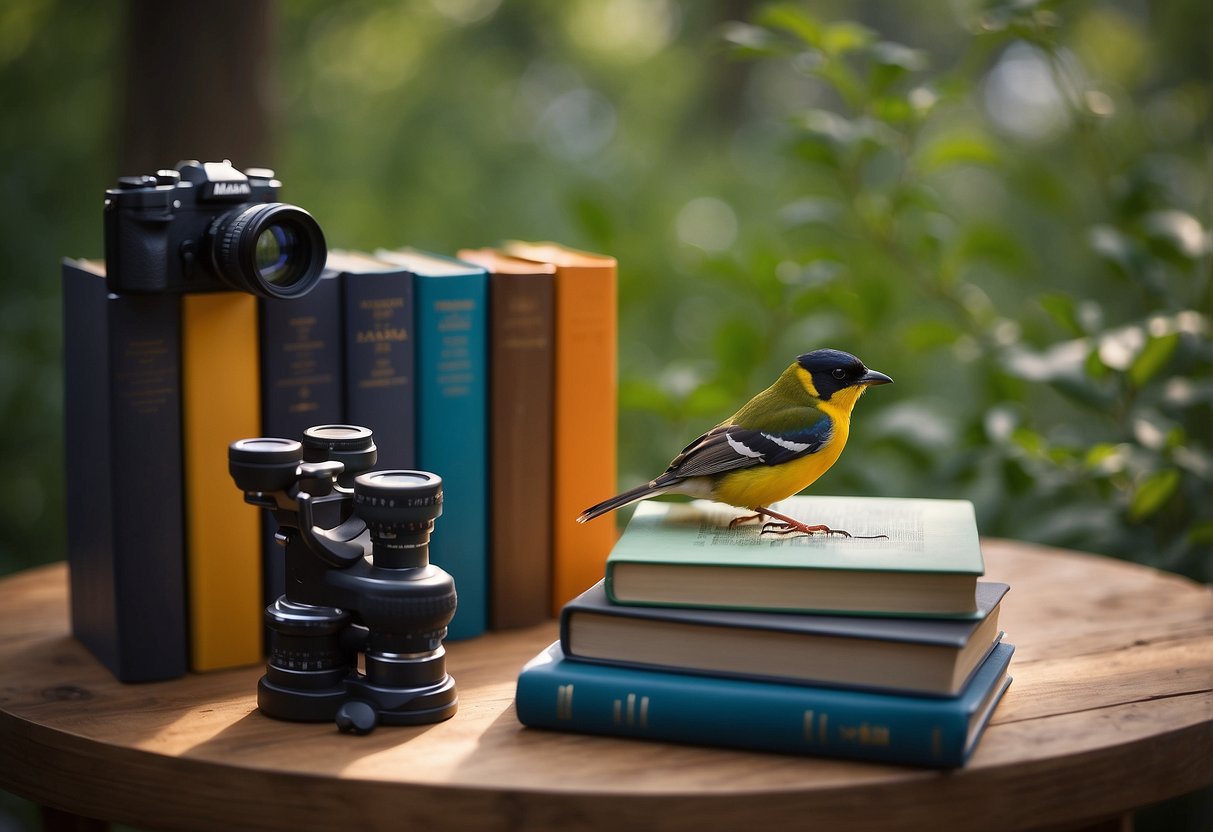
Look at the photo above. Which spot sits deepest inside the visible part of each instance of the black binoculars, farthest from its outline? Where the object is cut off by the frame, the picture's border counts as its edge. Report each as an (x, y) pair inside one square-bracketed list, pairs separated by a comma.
[(357, 636)]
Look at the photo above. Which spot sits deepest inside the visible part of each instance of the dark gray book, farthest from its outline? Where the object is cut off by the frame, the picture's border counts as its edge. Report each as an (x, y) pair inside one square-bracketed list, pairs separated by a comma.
[(925, 656), (122, 421)]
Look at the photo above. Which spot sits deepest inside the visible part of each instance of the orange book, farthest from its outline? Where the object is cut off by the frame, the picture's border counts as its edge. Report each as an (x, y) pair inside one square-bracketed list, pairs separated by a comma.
[(220, 403), (585, 419)]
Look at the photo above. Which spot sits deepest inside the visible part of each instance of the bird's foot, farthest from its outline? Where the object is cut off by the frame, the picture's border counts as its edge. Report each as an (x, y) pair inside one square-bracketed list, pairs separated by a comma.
[(749, 518), (780, 527), (782, 524)]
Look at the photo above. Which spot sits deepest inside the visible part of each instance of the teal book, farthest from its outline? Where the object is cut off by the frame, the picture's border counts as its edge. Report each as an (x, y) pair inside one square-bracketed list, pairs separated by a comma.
[(451, 327), (921, 656), (556, 693), (906, 557)]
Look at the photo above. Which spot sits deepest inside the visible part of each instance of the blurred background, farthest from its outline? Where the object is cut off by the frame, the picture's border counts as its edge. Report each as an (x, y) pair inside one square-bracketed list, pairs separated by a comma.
[(1003, 205)]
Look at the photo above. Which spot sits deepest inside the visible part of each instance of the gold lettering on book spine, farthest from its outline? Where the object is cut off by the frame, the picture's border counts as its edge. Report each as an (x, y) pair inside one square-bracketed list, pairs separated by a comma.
[(631, 712), (808, 727), (564, 702), (937, 742)]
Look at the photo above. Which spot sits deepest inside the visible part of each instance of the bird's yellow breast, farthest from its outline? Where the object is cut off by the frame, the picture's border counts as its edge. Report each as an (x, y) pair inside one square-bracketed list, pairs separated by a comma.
[(766, 484)]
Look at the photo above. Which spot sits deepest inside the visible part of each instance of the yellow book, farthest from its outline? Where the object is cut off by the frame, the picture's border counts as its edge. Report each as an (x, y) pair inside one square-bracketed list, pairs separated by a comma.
[(585, 419), (220, 404)]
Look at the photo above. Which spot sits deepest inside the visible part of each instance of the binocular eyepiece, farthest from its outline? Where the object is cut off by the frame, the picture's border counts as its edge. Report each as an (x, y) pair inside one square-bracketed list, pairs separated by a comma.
[(360, 591)]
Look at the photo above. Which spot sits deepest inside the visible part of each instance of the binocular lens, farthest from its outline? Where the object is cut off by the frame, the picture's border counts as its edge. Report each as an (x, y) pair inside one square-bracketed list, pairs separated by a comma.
[(271, 249), (264, 464)]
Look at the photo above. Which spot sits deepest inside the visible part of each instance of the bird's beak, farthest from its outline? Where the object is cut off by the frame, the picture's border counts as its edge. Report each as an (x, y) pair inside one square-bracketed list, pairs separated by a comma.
[(872, 377)]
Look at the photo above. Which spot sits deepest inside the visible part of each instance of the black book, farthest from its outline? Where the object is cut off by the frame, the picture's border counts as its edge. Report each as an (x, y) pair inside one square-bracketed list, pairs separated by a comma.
[(125, 534)]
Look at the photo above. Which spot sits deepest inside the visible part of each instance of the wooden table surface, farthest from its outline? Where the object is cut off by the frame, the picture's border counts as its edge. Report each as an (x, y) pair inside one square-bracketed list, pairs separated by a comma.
[(1111, 709)]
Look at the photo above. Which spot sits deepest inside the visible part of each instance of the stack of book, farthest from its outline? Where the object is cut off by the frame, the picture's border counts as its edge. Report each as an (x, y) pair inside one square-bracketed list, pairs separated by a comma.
[(884, 646), (487, 369)]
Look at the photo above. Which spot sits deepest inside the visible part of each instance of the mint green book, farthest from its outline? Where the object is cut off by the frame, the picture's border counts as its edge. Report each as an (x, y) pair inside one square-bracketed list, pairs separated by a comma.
[(907, 557)]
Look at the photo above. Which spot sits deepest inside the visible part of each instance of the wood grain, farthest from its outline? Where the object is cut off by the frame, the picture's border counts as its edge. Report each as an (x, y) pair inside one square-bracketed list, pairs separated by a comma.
[(1111, 708)]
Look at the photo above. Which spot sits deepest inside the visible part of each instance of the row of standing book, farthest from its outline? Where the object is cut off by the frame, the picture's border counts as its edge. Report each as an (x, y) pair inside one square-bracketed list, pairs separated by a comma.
[(885, 649), (488, 369)]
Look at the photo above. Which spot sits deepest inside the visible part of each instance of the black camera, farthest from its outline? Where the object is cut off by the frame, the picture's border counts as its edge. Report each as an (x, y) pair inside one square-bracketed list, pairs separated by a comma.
[(207, 227), (357, 637)]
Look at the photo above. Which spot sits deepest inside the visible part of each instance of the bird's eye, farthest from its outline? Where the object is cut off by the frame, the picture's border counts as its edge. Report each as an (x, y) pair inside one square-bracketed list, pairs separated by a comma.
[(839, 373)]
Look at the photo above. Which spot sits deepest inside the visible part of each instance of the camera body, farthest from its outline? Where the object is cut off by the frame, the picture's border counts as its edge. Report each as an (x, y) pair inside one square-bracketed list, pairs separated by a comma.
[(357, 637), (208, 227)]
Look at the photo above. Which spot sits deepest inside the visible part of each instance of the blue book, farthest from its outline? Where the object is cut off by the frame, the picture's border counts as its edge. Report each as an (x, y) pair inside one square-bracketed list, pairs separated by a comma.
[(301, 384), (377, 312), (451, 326), (554, 692)]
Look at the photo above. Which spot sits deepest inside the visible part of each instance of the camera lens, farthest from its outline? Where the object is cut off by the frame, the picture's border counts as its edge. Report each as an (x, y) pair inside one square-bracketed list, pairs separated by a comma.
[(271, 249)]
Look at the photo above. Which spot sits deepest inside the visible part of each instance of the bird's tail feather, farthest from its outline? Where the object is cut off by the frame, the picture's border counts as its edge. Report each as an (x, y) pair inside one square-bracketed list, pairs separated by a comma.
[(649, 489)]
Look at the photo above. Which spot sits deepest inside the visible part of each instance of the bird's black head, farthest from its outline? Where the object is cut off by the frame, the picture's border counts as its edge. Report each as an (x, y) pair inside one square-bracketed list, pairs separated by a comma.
[(834, 370)]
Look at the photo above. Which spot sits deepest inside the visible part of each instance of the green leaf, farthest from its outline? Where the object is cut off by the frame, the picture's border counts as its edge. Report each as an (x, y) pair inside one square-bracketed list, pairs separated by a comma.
[(891, 62), (845, 36), (795, 21), (1180, 231), (1156, 353), (1063, 310), (958, 148), (748, 41), (1153, 494), (1113, 246)]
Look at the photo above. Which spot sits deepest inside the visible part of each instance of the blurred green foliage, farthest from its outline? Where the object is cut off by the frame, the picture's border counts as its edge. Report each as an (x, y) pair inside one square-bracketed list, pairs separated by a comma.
[(1004, 206)]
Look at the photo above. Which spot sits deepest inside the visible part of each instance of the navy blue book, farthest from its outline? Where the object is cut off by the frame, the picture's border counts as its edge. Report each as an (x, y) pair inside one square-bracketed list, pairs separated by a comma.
[(451, 327), (301, 383), (558, 693), (924, 656), (125, 532), (379, 353)]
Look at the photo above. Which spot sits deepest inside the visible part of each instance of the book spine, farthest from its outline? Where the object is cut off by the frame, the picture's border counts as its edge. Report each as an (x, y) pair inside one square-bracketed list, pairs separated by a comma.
[(123, 453), (586, 424), (220, 404), (626, 702), (452, 432), (301, 385), (521, 367), (379, 361)]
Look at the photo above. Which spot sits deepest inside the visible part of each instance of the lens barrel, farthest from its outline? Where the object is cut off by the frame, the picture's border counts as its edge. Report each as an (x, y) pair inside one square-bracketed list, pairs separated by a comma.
[(399, 508), (351, 445), (270, 249)]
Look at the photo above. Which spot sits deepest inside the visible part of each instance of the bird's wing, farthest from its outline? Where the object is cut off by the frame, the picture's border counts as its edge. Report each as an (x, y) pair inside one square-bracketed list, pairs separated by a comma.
[(731, 447)]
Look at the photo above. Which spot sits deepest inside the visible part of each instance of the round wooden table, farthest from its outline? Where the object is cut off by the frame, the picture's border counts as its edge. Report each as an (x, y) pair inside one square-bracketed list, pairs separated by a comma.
[(1111, 709)]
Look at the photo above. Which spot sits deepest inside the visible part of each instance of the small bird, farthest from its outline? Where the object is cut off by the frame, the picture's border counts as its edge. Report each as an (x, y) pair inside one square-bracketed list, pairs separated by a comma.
[(777, 444)]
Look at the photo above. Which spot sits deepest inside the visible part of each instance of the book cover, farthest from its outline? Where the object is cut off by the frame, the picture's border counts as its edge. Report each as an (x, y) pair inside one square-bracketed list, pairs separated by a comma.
[(220, 400), (586, 410), (557, 693), (122, 443), (301, 385), (924, 656), (926, 561), (377, 309), (451, 326), (521, 363)]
